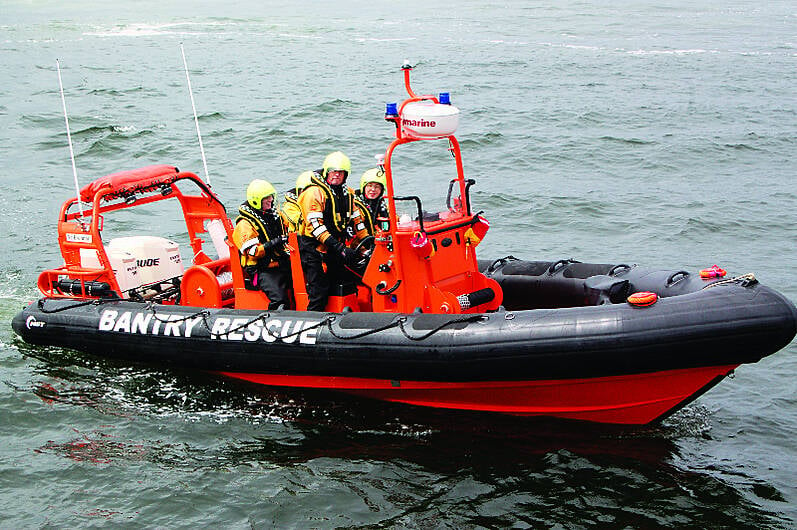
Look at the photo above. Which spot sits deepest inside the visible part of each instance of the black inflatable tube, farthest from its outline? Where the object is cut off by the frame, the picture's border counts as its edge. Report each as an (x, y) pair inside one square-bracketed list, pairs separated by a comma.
[(725, 325)]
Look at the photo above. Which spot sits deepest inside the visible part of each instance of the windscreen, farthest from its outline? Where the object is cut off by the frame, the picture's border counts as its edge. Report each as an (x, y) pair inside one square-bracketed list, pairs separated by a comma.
[(425, 171)]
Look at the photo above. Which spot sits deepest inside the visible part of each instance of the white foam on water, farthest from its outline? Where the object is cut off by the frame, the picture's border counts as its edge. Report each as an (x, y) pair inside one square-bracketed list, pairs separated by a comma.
[(300, 36), (148, 30), (374, 39), (670, 52)]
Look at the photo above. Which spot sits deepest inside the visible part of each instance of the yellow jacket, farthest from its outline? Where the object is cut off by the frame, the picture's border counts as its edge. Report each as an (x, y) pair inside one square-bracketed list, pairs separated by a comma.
[(317, 213), (292, 212), (247, 240), (249, 246)]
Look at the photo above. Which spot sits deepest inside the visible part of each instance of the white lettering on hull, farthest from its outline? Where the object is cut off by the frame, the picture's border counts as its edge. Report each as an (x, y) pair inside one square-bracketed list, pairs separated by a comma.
[(285, 330)]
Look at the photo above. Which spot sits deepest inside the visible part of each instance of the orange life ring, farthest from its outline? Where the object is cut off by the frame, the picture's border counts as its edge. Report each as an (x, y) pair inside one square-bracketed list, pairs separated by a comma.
[(642, 299), (712, 272)]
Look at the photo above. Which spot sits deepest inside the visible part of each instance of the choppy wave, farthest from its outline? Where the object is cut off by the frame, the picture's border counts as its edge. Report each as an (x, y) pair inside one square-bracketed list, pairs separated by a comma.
[(94, 130), (481, 140), (630, 141), (140, 91)]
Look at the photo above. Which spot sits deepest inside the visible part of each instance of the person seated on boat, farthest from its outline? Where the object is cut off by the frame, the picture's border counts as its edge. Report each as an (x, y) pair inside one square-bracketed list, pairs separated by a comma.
[(260, 237), (329, 211), (291, 211), (372, 196)]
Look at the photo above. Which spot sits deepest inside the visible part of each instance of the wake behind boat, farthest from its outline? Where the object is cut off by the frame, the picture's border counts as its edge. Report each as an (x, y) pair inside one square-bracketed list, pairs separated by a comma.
[(427, 324)]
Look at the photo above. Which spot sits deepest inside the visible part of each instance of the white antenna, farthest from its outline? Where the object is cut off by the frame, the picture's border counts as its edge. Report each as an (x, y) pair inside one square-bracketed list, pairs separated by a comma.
[(69, 137), (196, 120)]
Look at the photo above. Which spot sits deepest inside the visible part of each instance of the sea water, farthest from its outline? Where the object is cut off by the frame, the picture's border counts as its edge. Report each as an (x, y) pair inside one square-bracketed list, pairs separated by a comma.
[(660, 134)]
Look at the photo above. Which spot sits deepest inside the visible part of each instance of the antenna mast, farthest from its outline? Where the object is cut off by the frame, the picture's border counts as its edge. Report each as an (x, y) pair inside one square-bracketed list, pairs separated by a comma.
[(196, 120), (69, 138)]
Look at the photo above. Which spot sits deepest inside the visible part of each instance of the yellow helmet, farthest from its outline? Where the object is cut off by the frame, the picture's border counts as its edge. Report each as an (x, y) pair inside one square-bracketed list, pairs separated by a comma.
[(375, 174), (257, 191), (303, 180), (337, 160)]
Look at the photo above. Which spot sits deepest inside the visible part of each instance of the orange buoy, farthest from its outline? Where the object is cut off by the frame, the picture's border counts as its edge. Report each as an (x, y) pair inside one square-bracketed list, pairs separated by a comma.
[(421, 245), (643, 298), (712, 272)]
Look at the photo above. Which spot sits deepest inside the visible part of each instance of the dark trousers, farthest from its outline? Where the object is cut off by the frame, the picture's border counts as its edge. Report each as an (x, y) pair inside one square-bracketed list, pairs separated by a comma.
[(316, 280), (275, 282)]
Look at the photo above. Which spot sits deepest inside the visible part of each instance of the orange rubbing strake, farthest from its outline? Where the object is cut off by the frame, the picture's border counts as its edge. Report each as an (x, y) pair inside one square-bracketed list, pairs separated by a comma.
[(712, 272), (642, 299)]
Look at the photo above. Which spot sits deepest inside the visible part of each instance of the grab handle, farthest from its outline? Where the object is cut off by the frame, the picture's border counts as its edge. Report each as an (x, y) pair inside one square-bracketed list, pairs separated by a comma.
[(499, 263), (559, 265), (671, 280), (617, 268), (380, 288)]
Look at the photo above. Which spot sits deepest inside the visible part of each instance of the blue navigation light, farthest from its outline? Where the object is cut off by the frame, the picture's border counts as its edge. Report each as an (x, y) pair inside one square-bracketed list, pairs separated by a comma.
[(391, 109), (444, 98)]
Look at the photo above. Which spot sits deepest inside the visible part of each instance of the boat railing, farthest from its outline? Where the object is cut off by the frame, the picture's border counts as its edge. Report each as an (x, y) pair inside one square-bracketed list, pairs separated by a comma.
[(69, 281), (451, 183)]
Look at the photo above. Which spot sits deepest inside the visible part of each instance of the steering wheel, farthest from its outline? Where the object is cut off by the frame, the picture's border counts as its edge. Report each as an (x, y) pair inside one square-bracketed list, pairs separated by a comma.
[(366, 246), (364, 249)]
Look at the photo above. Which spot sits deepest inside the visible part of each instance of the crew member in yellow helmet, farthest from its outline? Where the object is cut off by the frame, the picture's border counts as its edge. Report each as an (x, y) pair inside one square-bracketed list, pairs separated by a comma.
[(291, 210), (261, 239), (330, 220), (371, 194)]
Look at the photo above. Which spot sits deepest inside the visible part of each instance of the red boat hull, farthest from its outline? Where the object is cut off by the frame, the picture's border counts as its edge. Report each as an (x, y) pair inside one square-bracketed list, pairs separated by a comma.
[(636, 399)]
